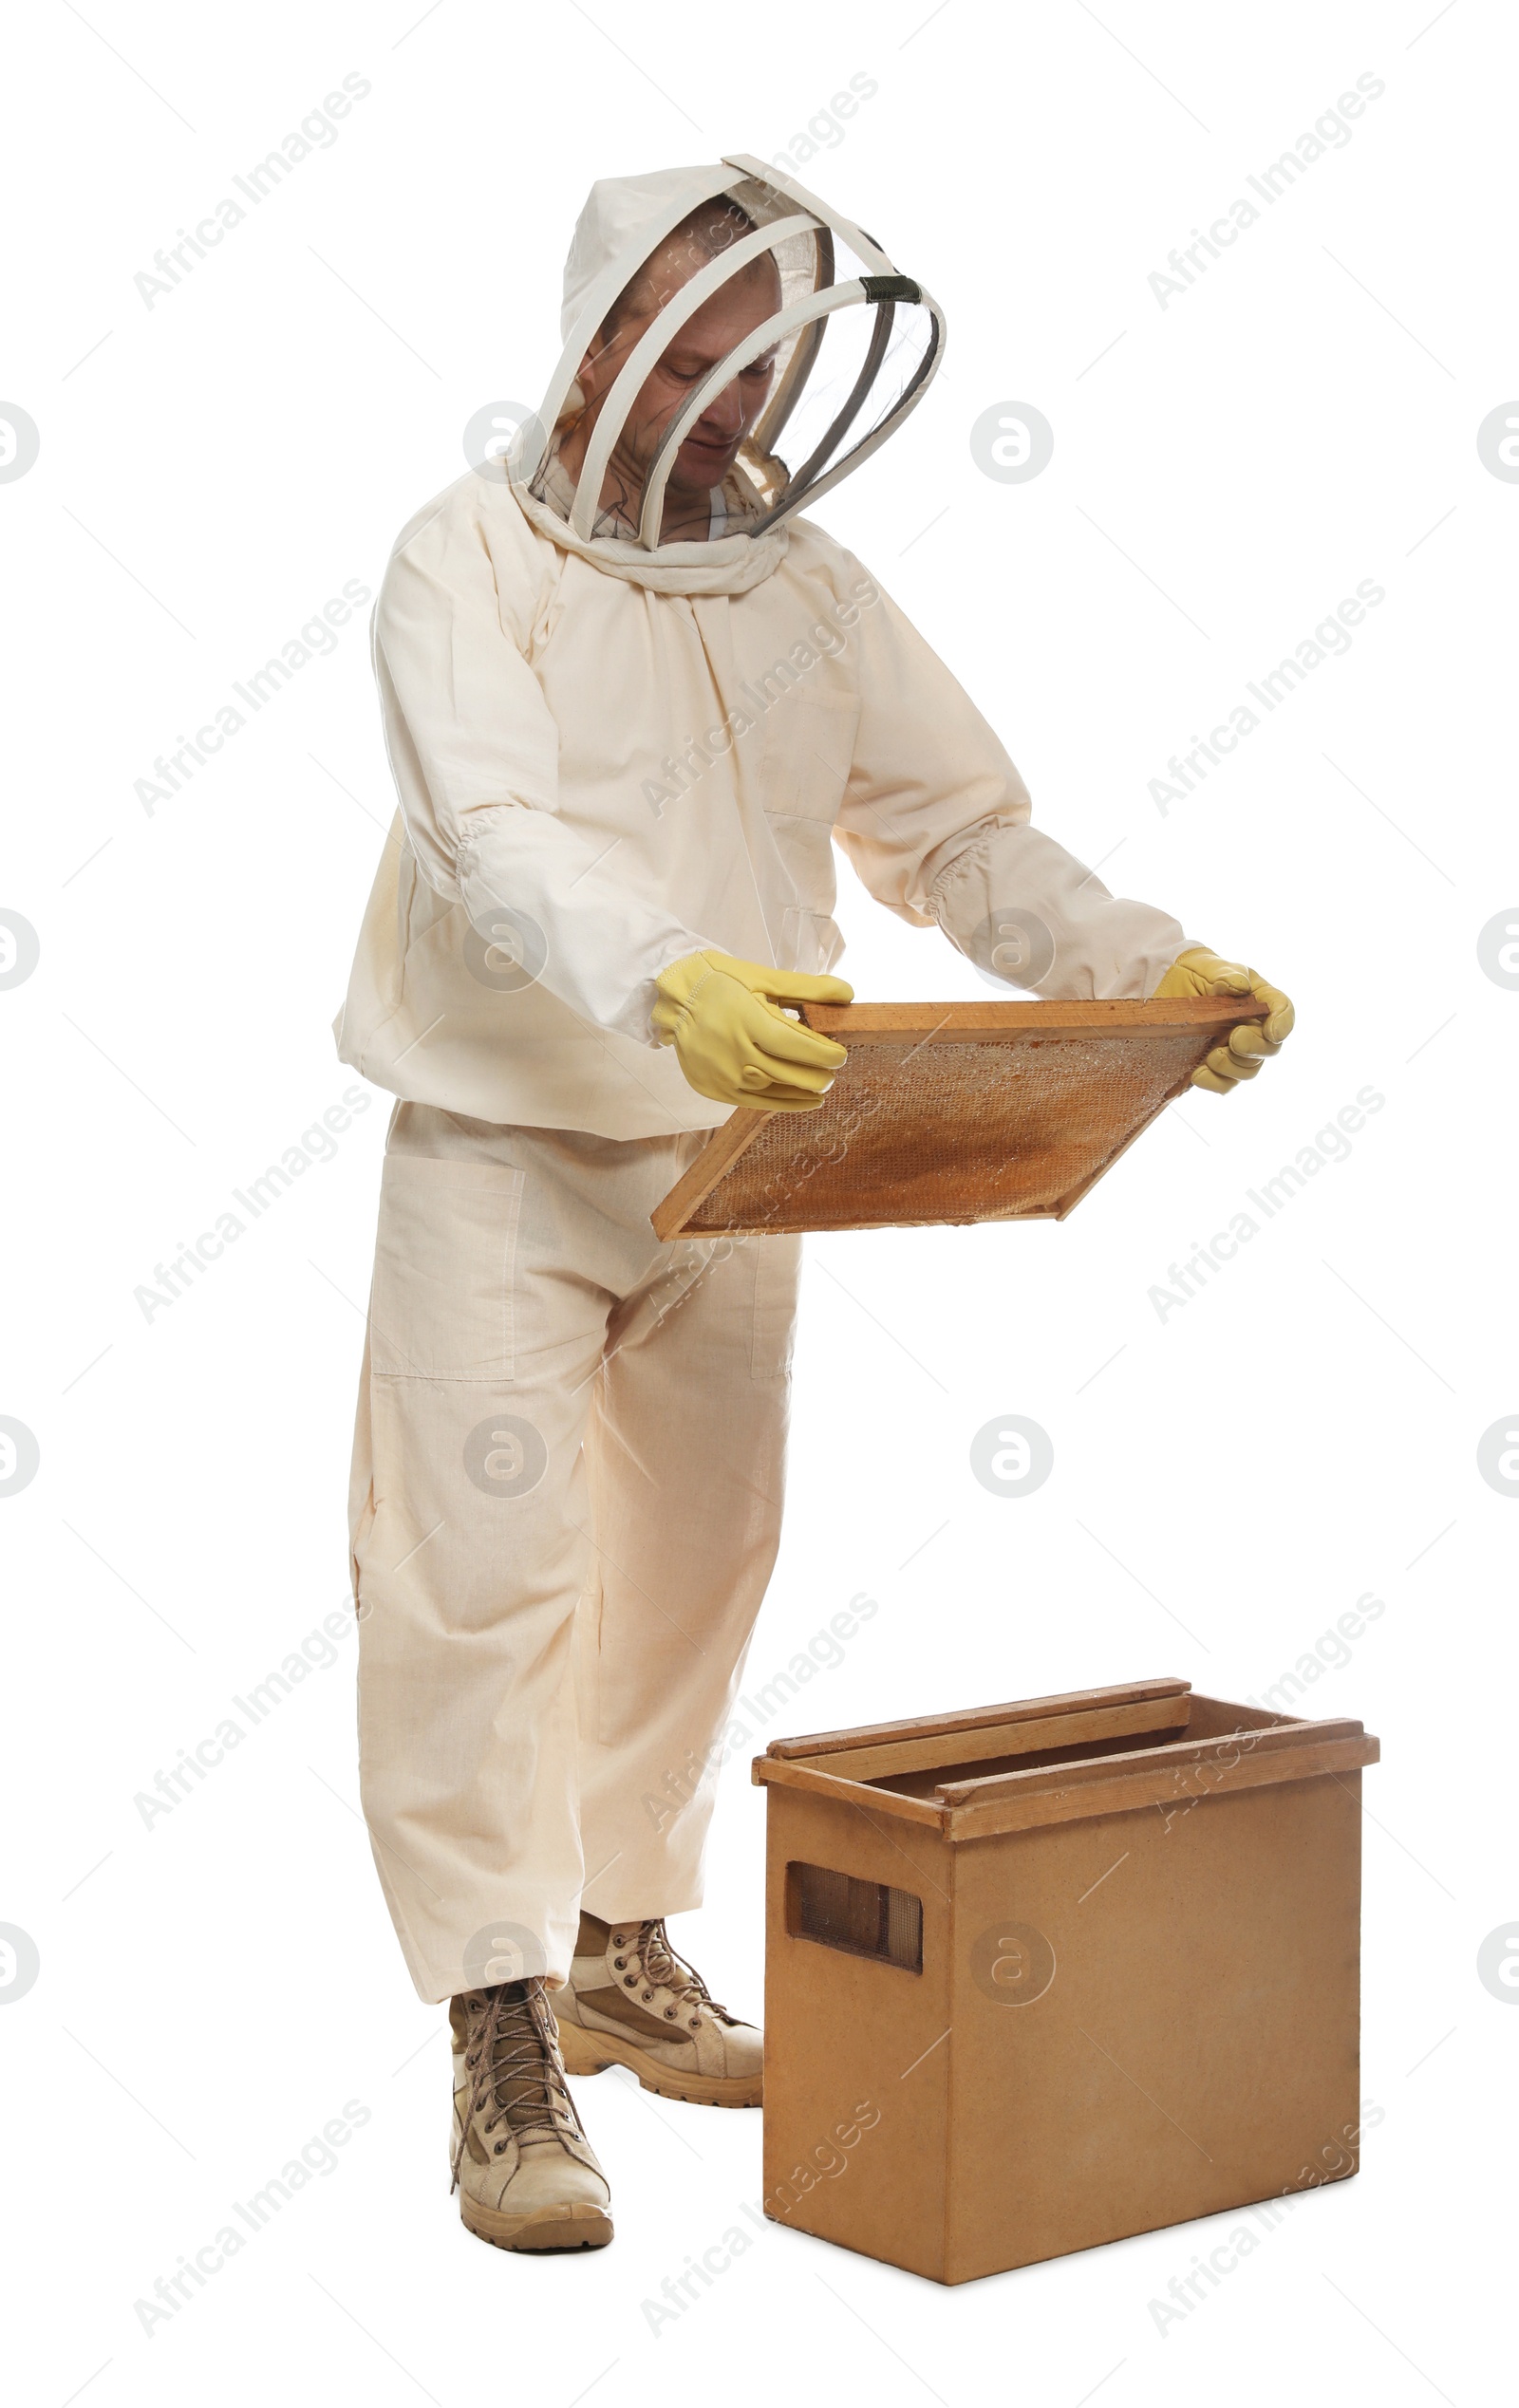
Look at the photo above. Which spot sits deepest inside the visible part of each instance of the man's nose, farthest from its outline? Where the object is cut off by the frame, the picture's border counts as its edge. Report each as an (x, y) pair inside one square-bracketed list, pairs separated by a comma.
[(723, 416)]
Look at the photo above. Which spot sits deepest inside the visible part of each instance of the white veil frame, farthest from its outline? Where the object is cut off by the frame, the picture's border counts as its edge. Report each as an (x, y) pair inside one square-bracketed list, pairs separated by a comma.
[(882, 288)]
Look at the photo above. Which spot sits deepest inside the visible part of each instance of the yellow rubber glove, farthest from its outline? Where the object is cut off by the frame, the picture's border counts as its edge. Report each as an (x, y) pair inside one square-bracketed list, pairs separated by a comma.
[(735, 1045), (1199, 972)]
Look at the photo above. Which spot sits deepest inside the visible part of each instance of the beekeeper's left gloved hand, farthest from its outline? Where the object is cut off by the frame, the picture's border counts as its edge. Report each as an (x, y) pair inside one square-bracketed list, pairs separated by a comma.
[(1197, 972)]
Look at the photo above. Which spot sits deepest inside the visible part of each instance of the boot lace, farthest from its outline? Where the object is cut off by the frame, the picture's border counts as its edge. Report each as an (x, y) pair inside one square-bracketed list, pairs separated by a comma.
[(512, 2054), (671, 1973)]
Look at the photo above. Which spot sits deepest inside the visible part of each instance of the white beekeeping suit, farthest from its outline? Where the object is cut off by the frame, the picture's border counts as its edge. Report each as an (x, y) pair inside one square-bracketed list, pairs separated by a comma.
[(612, 750)]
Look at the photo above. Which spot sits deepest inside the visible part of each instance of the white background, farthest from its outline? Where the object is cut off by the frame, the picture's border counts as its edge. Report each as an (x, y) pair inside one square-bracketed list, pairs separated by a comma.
[(1228, 1480)]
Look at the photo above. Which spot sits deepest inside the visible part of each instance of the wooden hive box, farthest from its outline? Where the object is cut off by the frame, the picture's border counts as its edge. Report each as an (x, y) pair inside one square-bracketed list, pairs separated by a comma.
[(1047, 1974), (951, 1113)]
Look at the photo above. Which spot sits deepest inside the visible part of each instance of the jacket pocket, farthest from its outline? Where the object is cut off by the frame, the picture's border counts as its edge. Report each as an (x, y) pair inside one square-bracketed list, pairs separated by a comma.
[(804, 768), (811, 940), (443, 1306)]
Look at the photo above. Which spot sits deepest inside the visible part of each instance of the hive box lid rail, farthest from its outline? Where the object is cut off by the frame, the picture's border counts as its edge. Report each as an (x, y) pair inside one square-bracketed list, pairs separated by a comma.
[(1017, 1710), (1091, 1752)]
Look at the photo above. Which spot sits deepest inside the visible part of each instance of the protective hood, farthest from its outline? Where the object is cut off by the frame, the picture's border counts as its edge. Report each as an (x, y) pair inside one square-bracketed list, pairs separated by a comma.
[(854, 346)]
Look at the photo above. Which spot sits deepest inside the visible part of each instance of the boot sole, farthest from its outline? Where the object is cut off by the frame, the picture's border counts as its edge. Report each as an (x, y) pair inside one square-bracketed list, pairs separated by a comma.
[(593, 2052), (581, 2225)]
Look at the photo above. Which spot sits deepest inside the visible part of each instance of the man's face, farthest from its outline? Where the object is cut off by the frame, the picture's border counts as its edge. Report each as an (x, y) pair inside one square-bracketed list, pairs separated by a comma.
[(711, 447)]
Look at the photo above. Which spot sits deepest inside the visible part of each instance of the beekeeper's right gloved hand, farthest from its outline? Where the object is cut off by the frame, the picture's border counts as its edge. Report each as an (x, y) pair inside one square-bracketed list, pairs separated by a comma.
[(733, 1041)]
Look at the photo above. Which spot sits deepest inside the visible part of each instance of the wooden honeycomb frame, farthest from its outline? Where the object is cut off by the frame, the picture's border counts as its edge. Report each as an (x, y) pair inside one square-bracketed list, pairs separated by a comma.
[(951, 1113)]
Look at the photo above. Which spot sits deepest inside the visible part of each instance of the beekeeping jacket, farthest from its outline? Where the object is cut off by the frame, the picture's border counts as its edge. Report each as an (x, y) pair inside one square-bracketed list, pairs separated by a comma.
[(611, 749)]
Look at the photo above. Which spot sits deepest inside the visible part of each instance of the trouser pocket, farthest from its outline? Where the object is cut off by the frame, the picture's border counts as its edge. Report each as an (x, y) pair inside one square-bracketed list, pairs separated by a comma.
[(443, 1306), (777, 1270)]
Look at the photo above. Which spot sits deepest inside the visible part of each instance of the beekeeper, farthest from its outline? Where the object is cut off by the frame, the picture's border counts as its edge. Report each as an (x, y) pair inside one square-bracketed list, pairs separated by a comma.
[(631, 700)]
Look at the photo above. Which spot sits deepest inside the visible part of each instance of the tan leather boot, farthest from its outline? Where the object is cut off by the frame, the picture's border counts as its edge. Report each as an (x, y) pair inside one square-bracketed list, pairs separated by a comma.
[(631, 2001), (526, 2174)]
